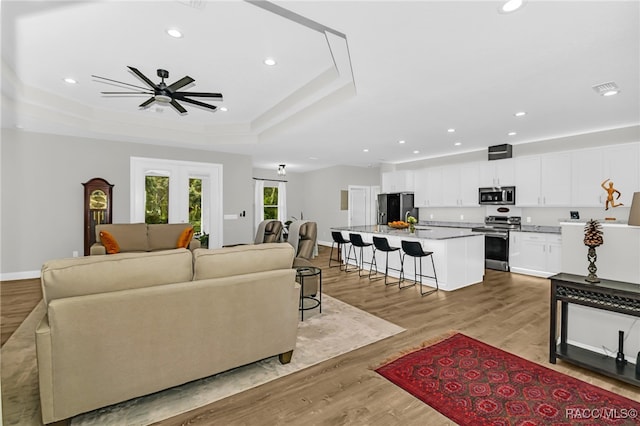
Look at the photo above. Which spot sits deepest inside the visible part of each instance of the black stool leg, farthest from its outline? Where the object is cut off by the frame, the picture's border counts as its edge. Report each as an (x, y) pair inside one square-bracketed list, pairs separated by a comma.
[(425, 293), (400, 286), (346, 266)]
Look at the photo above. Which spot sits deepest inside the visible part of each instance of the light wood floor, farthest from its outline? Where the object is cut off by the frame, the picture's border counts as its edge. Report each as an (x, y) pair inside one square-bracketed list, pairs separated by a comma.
[(509, 311), (17, 300)]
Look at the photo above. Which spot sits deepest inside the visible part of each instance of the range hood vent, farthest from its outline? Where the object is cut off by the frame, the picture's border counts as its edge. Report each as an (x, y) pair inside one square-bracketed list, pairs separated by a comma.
[(498, 152)]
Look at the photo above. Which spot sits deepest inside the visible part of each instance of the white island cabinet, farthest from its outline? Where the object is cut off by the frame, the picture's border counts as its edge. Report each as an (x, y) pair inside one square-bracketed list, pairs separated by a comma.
[(458, 253)]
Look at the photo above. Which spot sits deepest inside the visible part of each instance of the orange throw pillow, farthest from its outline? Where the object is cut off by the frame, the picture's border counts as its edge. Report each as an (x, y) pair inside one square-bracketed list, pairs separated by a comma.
[(109, 242), (185, 238)]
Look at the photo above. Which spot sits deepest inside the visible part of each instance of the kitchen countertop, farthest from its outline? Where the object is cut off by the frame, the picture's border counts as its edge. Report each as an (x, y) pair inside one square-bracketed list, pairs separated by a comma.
[(422, 232), (469, 225), (541, 228)]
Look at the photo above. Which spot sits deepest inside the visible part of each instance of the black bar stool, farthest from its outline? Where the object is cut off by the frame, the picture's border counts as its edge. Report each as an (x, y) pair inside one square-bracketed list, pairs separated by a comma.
[(338, 240), (414, 249), (356, 241), (382, 244)]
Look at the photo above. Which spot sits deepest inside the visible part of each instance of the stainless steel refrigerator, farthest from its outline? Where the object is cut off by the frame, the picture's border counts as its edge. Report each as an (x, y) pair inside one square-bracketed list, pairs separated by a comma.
[(395, 206)]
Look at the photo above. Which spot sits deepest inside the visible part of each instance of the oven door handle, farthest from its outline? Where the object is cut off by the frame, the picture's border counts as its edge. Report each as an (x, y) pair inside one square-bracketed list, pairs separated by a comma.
[(497, 235)]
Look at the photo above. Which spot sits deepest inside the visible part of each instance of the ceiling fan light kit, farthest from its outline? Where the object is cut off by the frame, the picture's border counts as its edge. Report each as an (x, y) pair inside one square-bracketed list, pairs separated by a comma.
[(162, 93)]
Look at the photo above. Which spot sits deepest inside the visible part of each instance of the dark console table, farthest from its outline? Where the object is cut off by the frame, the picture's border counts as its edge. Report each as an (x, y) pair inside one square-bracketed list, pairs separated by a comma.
[(608, 295)]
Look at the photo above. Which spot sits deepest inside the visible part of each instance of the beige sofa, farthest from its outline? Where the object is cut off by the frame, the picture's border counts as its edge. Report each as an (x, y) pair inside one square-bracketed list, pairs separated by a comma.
[(130, 324), (142, 237)]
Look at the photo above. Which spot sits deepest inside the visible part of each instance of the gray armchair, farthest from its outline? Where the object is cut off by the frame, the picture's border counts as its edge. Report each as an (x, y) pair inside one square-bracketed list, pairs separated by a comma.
[(305, 238), (269, 231)]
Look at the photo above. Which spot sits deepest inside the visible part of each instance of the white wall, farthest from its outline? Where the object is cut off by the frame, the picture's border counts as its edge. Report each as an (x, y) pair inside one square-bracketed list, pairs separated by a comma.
[(321, 195), (42, 192)]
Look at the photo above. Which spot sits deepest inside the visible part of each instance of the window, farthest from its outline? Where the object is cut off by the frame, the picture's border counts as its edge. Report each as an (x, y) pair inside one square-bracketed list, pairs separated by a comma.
[(195, 204), (270, 202), (156, 191)]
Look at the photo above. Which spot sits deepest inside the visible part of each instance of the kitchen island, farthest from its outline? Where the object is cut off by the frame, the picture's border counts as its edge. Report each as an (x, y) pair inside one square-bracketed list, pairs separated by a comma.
[(458, 253)]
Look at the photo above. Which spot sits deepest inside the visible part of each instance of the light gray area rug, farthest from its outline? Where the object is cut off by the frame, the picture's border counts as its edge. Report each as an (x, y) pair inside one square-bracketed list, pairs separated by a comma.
[(339, 329)]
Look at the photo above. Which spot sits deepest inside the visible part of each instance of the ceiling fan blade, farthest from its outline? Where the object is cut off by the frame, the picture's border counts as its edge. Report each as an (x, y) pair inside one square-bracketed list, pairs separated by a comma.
[(198, 95), (147, 102), (143, 77), (126, 93), (179, 107), (119, 82), (198, 103), (180, 83)]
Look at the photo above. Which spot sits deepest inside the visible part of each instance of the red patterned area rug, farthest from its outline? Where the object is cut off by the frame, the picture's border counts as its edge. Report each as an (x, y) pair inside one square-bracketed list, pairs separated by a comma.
[(476, 384)]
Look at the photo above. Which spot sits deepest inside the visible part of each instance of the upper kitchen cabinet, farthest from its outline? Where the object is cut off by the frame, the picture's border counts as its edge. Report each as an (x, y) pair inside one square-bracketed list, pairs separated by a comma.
[(621, 166), (590, 167), (398, 181), (543, 180), (460, 185), (428, 187), (497, 173)]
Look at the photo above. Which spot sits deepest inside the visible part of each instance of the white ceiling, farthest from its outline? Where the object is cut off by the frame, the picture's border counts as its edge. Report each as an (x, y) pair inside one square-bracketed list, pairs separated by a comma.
[(404, 70)]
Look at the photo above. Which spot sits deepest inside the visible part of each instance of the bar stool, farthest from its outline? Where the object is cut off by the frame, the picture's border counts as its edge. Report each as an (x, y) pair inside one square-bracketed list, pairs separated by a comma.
[(382, 244), (340, 241), (414, 249), (356, 241)]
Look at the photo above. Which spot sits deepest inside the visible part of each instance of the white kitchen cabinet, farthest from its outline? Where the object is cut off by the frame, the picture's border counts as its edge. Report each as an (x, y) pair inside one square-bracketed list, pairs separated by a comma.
[(497, 173), (590, 167), (398, 181), (544, 180), (586, 177), (621, 166), (421, 196), (535, 253), (460, 185), (428, 187)]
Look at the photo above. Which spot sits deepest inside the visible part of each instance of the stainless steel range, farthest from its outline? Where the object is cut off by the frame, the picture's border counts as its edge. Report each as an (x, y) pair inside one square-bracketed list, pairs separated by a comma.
[(496, 237)]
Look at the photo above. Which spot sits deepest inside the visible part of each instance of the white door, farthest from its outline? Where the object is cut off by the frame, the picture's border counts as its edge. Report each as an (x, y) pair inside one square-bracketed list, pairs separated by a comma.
[(181, 176), (358, 205)]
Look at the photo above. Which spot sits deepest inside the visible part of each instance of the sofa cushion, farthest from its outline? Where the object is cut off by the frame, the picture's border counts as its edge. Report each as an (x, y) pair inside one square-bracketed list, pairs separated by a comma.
[(109, 242), (130, 236), (243, 259), (99, 274), (165, 236)]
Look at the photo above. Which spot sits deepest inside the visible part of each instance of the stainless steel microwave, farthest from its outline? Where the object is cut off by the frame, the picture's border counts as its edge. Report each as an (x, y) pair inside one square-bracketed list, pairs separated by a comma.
[(497, 195)]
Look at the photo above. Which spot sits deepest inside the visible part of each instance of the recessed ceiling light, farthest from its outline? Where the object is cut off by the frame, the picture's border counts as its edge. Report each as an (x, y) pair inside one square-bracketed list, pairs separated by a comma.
[(224, 109), (416, 152), (451, 130), (401, 142), (511, 6), (174, 32), (313, 158), (520, 114), (365, 150), (607, 89), (458, 143), (512, 133), (270, 61), (70, 80)]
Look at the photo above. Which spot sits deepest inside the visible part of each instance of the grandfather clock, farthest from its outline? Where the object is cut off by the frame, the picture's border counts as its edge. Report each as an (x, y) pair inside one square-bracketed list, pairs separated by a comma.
[(97, 208)]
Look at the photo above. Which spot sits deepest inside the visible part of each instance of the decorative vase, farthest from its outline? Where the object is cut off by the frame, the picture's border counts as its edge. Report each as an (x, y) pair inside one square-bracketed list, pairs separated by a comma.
[(412, 228), (591, 256)]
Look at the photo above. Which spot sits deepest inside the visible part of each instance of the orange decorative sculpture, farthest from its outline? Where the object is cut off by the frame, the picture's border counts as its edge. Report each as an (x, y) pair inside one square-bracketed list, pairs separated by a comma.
[(610, 191)]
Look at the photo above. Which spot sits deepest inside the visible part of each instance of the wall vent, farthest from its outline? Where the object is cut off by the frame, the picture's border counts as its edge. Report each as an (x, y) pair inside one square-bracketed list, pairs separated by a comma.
[(498, 152)]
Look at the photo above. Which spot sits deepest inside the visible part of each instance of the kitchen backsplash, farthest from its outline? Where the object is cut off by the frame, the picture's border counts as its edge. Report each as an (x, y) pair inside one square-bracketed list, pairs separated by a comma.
[(543, 216)]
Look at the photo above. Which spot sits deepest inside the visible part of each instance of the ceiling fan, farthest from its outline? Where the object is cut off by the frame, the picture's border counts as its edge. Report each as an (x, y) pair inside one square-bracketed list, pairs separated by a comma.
[(163, 93)]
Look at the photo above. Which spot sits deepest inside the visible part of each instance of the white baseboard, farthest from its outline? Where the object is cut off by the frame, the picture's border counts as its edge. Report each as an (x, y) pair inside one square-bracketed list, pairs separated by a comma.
[(24, 275), (324, 243), (524, 271), (597, 350)]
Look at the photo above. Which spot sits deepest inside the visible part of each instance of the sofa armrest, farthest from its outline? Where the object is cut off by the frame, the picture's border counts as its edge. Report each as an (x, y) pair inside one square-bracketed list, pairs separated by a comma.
[(97, 249)]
